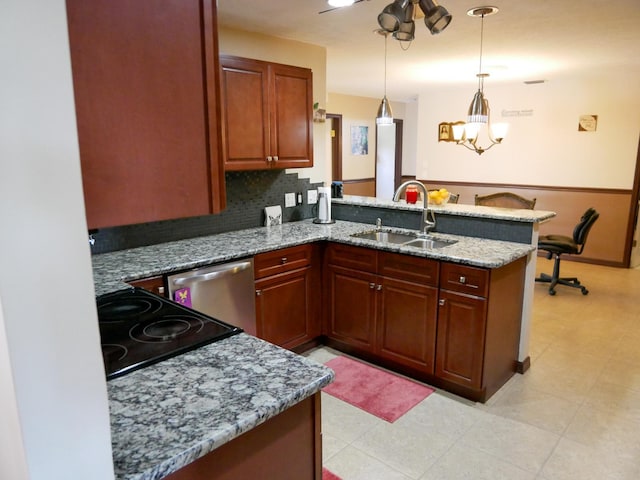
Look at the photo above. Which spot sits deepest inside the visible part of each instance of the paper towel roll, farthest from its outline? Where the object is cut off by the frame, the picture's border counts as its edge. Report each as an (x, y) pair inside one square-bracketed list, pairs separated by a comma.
[(324, 204)]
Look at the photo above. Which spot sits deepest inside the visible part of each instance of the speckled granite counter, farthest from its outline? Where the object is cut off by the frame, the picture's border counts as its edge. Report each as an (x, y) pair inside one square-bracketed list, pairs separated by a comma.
[(455, 209), (168, 415), (165, 416), (111, 270)]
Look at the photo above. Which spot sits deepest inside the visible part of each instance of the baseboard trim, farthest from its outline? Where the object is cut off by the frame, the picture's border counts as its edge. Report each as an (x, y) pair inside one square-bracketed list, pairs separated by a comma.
[(524, 365)]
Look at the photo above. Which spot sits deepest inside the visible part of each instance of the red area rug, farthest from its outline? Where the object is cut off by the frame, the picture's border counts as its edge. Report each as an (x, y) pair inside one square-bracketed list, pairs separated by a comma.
[(373, 390), (327, 475)]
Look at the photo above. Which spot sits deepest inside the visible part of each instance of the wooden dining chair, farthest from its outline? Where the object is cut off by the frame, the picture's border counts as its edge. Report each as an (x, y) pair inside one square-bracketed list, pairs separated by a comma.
[(505, 200)]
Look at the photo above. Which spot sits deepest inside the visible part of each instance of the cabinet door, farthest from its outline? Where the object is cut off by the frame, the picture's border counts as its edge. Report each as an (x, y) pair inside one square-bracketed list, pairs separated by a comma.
[(245, 113), (406, 327), (145, 78), (283, 308), (291, 117), (460, 340), (352, 307)]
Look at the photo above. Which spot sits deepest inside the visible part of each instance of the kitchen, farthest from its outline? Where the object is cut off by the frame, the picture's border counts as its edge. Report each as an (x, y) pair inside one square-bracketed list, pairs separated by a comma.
[(44, 226)]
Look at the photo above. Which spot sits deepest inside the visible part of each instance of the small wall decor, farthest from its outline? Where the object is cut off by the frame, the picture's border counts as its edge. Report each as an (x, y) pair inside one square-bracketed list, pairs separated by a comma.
[(587, 123), (319, 114), (359, 140), (445, 131)]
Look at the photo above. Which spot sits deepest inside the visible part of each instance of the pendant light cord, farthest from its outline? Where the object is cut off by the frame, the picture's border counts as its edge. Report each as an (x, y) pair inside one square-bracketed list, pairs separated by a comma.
[(385, 64), (480, 76)]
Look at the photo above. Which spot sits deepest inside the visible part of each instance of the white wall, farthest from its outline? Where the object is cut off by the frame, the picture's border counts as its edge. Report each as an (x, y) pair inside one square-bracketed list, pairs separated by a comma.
[(545, 148), (54, 402)]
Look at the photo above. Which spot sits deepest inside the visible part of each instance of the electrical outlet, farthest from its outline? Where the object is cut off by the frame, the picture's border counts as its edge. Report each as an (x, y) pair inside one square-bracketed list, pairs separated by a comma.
[(289, 199), (312, 196)]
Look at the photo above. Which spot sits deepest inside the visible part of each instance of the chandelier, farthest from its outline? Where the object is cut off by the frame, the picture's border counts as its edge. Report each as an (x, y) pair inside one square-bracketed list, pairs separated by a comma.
[(466, 134)]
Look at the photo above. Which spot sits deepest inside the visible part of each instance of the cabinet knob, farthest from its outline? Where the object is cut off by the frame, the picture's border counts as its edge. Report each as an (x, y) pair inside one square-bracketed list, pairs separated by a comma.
[(275, 158), (269, 158), (463, 280), (258, 293), (441, 302), (284, 260), (379, 287), (372, 285)]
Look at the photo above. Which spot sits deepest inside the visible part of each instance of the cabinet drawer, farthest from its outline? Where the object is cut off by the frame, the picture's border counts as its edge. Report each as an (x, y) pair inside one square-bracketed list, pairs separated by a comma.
[(279, 261), (412, 269), (464, 279), (359, 258)]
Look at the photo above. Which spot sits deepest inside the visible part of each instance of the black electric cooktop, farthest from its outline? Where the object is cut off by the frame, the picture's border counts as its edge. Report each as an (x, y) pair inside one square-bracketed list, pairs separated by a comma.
[(139, 328)]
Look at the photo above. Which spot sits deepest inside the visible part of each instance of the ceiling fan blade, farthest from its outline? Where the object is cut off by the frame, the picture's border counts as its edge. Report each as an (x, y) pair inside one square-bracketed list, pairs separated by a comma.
[(340, 8)]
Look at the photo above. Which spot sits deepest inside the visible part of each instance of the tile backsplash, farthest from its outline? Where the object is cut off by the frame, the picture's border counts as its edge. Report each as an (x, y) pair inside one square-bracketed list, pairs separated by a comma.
[(247, 195)]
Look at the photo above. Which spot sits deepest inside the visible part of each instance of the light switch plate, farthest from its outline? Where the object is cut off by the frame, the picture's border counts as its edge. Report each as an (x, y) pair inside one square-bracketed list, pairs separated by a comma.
[(312, 196), (289, 199)]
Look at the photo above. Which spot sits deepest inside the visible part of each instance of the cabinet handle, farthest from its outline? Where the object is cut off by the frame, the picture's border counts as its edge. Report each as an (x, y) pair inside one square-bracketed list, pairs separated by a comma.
[(258, 293), (284, 260), (269, 158), (372, 285), (275, 158), (379, 287), (441, 302), (463, 280)]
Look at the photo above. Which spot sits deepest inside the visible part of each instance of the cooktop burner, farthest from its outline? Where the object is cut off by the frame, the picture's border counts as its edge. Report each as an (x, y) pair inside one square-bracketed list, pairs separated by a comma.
[(139, 328)]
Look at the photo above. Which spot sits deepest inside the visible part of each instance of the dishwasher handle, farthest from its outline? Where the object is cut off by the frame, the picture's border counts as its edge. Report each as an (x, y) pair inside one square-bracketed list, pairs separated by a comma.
[(219, 272)]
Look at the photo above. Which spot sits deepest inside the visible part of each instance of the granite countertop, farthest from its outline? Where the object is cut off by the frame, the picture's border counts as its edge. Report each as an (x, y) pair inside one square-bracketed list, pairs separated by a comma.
[(165, 416), (456, 209), (112, 270)]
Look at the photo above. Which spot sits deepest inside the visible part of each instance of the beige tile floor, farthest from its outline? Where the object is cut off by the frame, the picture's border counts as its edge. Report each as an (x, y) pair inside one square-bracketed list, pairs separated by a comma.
[(574, 415)]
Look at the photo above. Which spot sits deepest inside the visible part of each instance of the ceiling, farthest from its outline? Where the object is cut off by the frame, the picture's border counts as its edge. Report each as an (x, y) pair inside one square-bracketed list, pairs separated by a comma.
[(526, 40)]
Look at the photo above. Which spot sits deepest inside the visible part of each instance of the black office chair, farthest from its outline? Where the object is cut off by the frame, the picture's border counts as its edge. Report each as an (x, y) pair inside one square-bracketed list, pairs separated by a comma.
[(558, 245)]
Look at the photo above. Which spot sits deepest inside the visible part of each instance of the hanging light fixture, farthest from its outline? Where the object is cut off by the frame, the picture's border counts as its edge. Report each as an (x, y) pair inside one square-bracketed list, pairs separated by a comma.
[(467, 134), (398, 18), (385, 116)]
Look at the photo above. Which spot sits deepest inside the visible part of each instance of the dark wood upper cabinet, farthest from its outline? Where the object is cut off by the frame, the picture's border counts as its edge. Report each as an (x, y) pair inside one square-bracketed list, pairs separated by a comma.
[(267, 113), (146, 85)]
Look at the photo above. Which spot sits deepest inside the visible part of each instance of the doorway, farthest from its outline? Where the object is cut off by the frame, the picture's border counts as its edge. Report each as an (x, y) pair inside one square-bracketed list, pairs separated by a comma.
[(388, 174), (336, 145)]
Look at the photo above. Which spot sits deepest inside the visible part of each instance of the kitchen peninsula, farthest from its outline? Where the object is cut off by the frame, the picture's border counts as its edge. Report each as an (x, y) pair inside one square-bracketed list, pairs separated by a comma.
[(198, 409)]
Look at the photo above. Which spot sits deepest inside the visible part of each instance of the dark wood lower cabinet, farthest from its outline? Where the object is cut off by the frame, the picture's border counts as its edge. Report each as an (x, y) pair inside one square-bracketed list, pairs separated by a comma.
[(285, 447), (407, 323), (461, 326), (388, 311), (287, 287), (351, 307), (454, 326), (283, 308)]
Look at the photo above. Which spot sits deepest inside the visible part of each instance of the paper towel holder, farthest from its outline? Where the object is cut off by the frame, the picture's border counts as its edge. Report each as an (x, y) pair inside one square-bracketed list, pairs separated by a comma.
[(324, 206)]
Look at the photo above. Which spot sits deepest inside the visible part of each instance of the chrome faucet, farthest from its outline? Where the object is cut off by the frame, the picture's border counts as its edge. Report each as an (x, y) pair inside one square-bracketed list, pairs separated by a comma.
[(429, 223)]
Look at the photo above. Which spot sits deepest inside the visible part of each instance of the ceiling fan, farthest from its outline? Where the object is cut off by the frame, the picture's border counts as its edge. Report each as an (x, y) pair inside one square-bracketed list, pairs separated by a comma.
[(418, 14), (341, 4)]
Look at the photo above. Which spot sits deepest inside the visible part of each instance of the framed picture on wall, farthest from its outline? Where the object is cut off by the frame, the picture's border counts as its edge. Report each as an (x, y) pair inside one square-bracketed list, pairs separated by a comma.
[(444, 132), (359, 140)]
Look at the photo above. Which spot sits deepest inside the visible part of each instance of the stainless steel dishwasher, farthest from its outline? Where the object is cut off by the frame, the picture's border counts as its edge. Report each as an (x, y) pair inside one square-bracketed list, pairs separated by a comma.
[(224, 291)]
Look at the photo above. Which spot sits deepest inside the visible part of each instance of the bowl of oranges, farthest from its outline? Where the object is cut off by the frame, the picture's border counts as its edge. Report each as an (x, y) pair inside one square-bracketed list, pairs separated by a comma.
[(439, 197)]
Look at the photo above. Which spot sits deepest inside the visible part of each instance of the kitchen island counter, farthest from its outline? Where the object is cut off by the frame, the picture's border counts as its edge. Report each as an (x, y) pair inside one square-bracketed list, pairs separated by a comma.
[(113, 270), (168, 415)]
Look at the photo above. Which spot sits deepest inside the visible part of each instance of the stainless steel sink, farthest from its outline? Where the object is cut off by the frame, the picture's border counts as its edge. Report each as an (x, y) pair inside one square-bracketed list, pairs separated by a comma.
[(384, 236), (409, 239), (429, 243)]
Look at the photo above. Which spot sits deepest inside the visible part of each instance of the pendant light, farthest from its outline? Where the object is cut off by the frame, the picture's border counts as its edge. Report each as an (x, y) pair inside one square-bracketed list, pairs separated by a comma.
[(479, 113), (385, 116)]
